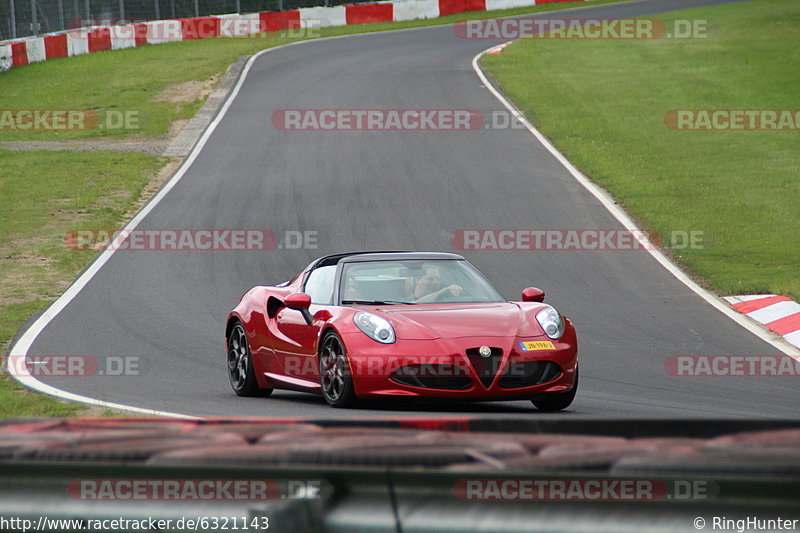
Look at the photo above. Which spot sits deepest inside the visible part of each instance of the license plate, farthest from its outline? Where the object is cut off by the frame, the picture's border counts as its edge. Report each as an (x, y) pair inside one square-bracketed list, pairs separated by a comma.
[(532, 346)]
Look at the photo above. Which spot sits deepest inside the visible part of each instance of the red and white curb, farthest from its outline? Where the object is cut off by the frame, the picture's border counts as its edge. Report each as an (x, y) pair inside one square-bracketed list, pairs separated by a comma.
[(778, 313), (80, 41), (498, 49)]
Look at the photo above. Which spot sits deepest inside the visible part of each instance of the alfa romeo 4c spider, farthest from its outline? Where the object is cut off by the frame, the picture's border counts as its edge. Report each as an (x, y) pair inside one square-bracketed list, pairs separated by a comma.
[(400, 324)]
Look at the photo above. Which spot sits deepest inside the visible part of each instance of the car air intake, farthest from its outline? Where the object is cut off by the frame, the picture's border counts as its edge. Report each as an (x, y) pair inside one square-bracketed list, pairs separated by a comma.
[(486, 367), (443, 377), (529, 373)]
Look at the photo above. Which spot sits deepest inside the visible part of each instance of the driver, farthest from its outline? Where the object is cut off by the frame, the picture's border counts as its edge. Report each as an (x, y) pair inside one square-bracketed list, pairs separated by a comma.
[(428, 287), (352, 291)]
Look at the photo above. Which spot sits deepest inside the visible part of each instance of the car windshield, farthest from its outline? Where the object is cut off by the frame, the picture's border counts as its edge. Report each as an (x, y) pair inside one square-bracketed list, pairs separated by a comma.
[(415, 282)]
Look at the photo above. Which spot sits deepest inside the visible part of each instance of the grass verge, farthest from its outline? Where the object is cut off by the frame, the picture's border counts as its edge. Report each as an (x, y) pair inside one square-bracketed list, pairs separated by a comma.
[(604, 102), (42, 195), (130, 80)]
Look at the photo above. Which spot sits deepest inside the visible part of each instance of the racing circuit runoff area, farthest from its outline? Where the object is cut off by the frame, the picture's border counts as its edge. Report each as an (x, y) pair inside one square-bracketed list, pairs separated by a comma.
[(385, 189)]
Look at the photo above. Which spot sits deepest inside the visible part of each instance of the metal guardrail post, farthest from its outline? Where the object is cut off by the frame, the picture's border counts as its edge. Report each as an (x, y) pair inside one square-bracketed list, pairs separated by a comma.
[(61, 24), (13, 20), (34, 19)]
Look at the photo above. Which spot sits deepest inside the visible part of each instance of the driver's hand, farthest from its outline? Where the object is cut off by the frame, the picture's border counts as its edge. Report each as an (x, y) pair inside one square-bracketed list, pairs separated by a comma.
[(454, 289)]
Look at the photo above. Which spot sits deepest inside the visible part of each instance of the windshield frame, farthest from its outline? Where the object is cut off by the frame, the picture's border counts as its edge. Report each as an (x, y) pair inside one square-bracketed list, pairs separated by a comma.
[(343, 266)]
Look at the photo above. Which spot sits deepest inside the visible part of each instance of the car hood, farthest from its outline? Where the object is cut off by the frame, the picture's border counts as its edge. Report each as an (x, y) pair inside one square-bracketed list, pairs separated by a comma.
[(433, 321)]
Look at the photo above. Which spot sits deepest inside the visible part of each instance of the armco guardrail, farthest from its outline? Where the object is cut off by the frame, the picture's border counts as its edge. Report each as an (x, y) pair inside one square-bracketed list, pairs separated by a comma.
[(28, 18), (20, 52)]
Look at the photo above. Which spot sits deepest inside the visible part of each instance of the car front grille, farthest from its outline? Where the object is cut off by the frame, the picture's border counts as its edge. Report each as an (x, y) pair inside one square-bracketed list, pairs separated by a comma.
[(485, 367)]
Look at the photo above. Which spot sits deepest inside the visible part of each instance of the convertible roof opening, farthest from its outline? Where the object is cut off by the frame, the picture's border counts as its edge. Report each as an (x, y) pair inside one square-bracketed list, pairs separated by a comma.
[(382, 256)]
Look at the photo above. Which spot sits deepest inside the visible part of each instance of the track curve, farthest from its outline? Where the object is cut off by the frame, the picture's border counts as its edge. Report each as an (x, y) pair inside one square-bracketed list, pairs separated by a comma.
[(393, 190)]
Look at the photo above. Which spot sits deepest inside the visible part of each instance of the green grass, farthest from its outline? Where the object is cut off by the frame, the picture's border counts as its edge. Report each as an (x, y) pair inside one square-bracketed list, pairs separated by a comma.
[(126, 80), (43, 195), (603, 104)]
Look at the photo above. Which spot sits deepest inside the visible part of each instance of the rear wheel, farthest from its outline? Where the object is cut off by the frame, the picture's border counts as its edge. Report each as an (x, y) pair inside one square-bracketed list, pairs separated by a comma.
[(559, 400), (334, 371), (240, 365)]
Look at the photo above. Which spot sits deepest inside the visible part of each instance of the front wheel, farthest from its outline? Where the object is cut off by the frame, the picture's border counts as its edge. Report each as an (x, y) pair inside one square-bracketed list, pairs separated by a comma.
[(559, 400), (240, 365), (334, 371)]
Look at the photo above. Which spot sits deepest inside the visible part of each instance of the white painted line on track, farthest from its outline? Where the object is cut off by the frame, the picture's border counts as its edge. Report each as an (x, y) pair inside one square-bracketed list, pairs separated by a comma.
[(739, 299), (21, 347), (608, 202)]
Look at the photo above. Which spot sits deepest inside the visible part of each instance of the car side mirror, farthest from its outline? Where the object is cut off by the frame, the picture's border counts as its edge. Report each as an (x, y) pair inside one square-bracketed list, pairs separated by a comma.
[(532, 294), (299, 301)]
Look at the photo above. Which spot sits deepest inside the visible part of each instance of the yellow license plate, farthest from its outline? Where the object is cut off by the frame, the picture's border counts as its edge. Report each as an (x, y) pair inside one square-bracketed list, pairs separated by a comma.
[(531, 346)]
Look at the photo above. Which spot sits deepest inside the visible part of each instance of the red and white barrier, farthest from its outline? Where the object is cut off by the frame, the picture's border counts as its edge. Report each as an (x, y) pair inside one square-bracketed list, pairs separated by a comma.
[(415, 9), (239, 25), (322, 17), (98, 38), (5, 57), (778, 313), (77, 43), (36, 50), (492, 5), (451, 7), (56, 46), (163, 31), (367, 13)]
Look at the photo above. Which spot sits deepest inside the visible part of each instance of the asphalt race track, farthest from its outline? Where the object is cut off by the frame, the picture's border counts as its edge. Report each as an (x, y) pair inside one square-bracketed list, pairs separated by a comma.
[(394, 190)]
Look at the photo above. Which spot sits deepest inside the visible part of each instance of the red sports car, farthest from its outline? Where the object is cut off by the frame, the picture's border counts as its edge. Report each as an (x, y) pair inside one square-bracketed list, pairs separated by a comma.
[(400, 324)]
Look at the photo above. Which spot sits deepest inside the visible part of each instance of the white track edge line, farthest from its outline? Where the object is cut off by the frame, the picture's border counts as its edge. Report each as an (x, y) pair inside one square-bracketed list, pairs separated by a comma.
[(21, 347), (23, 344), (606, 200)]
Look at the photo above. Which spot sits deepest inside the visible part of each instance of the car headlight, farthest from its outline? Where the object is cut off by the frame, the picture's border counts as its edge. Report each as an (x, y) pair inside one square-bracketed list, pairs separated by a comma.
[(551, 322), (374, 327)]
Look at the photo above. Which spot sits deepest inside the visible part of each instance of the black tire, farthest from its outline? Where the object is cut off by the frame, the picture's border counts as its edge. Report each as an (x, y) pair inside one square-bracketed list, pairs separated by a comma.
[(240, 365), (557, 401), (334, 372)]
